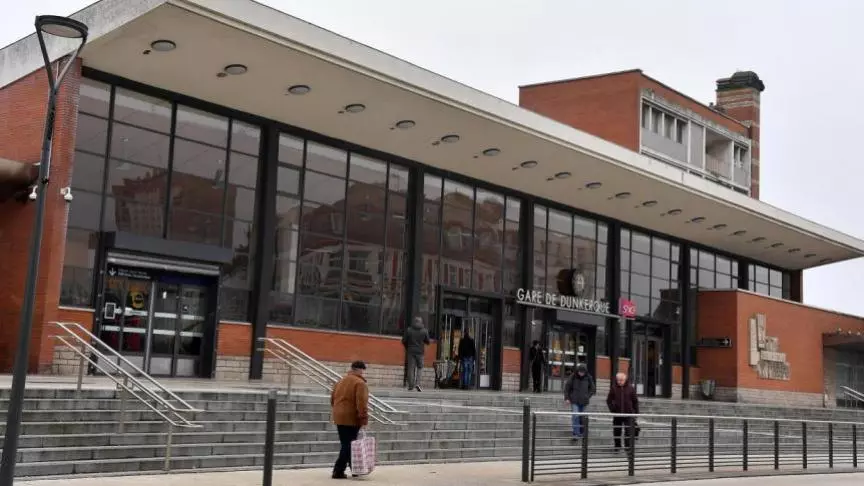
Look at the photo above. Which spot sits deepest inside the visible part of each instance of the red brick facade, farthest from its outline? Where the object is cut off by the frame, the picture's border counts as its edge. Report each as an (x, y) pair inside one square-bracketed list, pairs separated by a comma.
[(22, 118)]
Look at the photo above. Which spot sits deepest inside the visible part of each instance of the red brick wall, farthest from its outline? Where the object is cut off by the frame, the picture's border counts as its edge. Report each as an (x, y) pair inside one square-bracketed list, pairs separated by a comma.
[(678, 374), (48, 343), (236, 339), (606, 106), (512, 360), (717, 317), (604, 367), (744, 105), (799, 329), (22, 118)]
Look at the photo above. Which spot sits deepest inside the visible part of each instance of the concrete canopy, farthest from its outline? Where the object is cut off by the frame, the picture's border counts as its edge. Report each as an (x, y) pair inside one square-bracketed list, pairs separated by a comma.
[(280, 51)]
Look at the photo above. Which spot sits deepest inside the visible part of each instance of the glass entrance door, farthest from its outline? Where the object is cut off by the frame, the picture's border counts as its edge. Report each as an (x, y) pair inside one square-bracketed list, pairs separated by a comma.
[(158, 321), (647, 374), (476, 316), (566, 347)]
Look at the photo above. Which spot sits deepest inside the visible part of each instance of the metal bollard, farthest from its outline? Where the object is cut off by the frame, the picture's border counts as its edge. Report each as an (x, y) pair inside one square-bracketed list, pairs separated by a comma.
[(804, 444), (526, 439), (776, 445), (289, 378), (746, 446), (831, 445), (270, 439), (122, 424), (630, 434), (711, 445), (673, 453), (585, 424), (168, 443), (855, 446)]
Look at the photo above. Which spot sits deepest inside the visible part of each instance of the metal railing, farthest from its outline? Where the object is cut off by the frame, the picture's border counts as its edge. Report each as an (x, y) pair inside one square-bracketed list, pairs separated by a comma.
[(630, 445), (130, 380), (319, 374), (854, 396)]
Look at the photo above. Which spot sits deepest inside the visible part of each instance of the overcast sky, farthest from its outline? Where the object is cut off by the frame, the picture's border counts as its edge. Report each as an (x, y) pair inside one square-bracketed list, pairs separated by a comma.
[(807, 53)]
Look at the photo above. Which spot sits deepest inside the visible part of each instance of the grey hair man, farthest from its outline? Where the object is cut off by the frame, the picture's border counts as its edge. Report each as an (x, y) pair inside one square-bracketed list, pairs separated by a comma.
[(415, 340)]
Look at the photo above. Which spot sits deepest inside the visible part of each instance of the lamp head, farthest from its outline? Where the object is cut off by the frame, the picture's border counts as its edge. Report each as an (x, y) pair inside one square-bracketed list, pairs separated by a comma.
[(61, 27)]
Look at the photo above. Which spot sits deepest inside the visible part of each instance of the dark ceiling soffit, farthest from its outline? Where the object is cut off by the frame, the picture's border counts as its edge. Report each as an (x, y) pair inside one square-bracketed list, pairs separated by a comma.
[(16, 177)]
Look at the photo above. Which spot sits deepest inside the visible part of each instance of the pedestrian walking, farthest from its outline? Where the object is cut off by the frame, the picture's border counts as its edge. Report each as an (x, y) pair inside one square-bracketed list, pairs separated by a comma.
[(537, 361), (622, 399), (467, 356), (577, 394), (415, 340), (350, 403)]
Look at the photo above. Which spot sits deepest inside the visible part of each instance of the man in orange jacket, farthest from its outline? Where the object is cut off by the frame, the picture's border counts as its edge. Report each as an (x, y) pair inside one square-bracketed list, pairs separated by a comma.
[(350, 403)]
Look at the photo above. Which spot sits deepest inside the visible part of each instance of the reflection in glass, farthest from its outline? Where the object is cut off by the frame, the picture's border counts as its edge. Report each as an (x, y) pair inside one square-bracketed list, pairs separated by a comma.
[(91, 135), (198, 177), (201, 126), (141, 110), (325, 159), (95, 98), (79, 258), (133, 144), (87, 172)]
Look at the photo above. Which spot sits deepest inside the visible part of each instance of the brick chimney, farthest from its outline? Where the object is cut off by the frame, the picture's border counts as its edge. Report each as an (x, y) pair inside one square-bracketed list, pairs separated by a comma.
[(738, 97)]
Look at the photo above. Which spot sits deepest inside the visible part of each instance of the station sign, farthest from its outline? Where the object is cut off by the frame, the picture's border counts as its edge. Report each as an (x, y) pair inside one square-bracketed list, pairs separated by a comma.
[(539, 298)]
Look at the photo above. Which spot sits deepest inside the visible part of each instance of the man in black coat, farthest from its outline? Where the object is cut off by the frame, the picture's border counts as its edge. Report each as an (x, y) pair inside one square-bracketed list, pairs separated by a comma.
[(577, 393), (467, 356), (536, 359), (622, 399)]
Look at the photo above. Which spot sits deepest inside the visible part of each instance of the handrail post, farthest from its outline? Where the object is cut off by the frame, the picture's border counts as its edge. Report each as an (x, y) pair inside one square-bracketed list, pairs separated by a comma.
[(123, 389), (80, 372), (168, 443), (855, 446), (585, 433), (776, 445), (526, 439), (804, 444), (288, 380), (711, 445), (269, 439), (831, 445), (630, 436), (745, 446), (533, 446), (673, 446)]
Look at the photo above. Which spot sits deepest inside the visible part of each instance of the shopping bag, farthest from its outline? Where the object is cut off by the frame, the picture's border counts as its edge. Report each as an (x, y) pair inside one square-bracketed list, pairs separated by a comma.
[(363, 455)]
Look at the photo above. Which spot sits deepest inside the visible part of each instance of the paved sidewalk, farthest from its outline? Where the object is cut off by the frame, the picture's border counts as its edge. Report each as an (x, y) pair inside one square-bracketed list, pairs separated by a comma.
[(469, 474)]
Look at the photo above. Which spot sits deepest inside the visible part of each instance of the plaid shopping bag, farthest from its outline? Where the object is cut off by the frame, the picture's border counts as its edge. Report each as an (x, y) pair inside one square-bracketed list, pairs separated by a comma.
[(363, 454)]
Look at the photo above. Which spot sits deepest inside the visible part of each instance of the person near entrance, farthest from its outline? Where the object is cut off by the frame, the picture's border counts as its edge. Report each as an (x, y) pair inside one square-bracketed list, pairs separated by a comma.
[(537, 360), (350, 403), (467, 356), (622, 399), (577, 393), (415, 340)]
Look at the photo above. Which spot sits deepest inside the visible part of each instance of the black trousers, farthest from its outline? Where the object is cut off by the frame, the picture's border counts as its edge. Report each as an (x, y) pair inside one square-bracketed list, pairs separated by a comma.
[(537, 375), (347, 435), (620, 424)]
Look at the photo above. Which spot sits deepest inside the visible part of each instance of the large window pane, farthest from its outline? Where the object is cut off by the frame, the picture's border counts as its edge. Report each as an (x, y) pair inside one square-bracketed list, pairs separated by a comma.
[(84, 211), (291, 150), (135, 217), (245, 138), (198, 178), (288, 180), (240, 203), (368, 170), (202, 126), (76, 288), (366, 216), (329, 160), (92, 134), (324, 189), (488, 241), (137, 182), (358, 317), (138, 145), (243, 170), (141, 110), (95, 98), (87, 172), (195, 227), (314, 312)]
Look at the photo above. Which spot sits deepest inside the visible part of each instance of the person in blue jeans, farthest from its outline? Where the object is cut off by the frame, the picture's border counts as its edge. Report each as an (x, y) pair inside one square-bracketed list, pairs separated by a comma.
[(467, 355), (577, 394)]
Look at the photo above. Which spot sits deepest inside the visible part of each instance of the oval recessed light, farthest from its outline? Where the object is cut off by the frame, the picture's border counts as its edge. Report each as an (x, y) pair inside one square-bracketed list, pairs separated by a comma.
[(405, 124), (776, 245), (299, 89), (355, 108), (825, 260), (562, 175), (163, 45), (674, 212), (698, 219), (794, 250), (810, 255), (739, 233), (491, 152), (719, 226), (649, 204), (757, 239), (529, 164), (236, 69), (622, 195), (594, 185), (450, 138)]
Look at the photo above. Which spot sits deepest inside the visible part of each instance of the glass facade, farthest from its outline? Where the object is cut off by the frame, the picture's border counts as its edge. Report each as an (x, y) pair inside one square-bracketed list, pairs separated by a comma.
[(768, 281), (340, 240), (152, 167)]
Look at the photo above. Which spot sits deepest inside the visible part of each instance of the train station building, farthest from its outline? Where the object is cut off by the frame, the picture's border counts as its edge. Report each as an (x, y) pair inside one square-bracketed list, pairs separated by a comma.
[(224, 171)]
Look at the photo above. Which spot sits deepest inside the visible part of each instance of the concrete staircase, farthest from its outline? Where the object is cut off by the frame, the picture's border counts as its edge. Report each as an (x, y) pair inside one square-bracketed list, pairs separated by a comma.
[(64, 435)]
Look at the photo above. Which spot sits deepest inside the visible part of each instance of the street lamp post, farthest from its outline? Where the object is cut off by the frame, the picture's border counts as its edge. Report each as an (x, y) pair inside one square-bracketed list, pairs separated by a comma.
[(62, 27)]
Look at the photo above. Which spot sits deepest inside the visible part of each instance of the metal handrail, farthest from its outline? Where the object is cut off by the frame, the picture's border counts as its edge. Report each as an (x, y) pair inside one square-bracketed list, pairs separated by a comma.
[(319, 373), (126, 381), (691, 417), (853, 394)]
